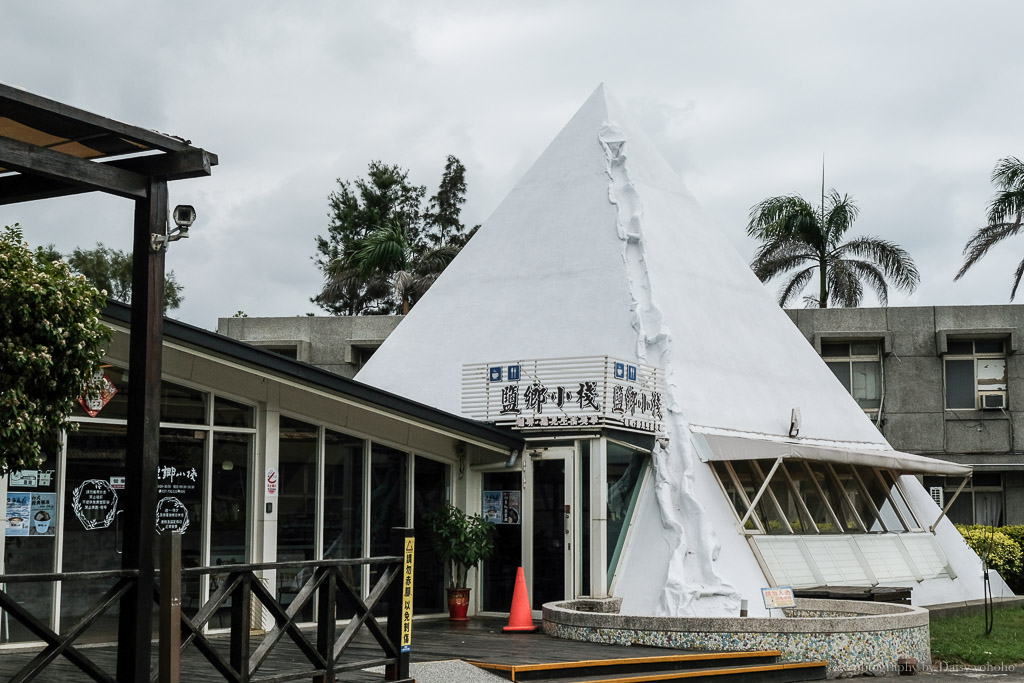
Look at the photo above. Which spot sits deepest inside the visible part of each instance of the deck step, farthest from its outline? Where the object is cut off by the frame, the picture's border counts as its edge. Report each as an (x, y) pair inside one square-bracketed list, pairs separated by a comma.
[(718, 666), (767, 673)]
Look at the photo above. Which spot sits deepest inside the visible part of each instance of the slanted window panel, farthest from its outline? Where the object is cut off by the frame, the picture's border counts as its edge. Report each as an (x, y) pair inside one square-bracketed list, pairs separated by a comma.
[(737, 497), (837, 486), (804, 478), (789, 502), (896, 494), (768, 508)]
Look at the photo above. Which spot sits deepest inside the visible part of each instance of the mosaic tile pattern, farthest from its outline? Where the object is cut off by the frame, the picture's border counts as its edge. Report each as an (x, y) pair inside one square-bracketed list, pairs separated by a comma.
[(846, 653)]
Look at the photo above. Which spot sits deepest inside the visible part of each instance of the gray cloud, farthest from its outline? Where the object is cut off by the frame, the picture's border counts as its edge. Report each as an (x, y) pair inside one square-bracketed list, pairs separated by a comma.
[(908, 102)]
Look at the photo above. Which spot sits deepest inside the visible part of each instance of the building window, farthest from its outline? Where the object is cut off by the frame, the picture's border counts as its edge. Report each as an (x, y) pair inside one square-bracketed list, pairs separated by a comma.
[(858, 366), (975, 373)]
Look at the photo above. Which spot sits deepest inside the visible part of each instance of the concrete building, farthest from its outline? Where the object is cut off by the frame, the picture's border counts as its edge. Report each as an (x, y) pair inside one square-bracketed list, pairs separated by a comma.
[(941, 381), (338, 344)]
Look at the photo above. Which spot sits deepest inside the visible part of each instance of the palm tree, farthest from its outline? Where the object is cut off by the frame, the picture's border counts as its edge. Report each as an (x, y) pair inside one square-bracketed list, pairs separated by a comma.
[(797, 235), (1004, 217), (388, 264)]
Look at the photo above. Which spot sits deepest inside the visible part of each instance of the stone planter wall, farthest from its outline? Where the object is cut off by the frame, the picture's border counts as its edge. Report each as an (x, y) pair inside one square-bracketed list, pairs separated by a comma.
[(853, 637)]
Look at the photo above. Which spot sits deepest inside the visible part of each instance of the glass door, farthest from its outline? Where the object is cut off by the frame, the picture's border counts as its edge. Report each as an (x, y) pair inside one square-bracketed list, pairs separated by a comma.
[(553, 538)]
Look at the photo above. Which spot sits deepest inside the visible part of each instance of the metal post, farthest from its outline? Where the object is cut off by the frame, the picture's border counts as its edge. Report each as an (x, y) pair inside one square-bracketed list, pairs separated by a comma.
[(170, 607), (135, 625), (403, 542)]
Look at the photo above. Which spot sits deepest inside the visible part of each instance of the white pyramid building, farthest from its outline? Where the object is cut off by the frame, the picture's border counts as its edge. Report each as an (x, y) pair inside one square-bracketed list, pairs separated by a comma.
[(601, 250)]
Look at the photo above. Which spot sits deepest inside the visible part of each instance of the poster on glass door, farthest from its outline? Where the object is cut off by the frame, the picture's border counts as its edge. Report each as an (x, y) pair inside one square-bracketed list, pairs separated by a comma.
[(502, 507)]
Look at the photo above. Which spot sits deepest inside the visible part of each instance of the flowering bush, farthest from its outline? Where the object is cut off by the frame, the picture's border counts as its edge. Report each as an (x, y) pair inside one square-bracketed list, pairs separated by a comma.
[(51, 345), (1003, 553)]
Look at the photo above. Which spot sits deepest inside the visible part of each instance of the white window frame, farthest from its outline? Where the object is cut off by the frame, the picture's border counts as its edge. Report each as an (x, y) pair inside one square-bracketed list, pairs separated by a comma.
[(852, 358), (976, 358)]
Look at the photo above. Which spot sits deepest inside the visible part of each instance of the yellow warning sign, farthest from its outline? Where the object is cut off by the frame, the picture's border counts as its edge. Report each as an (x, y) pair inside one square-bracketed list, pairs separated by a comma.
[(410, 552)]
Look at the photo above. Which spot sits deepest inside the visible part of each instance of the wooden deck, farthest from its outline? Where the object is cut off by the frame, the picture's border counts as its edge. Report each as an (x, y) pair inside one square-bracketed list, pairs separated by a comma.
[(480, 639)]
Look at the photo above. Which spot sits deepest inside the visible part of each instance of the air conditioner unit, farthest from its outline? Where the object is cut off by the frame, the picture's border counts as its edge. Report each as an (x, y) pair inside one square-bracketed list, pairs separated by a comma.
[(993, 401), (937, 495)]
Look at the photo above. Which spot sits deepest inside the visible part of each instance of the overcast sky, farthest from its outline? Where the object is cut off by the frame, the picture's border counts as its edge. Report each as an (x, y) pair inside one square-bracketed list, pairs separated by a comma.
[(911, 104)]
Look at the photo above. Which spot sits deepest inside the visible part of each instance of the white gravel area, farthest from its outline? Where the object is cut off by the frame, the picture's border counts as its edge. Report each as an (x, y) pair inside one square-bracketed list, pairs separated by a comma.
[(448, 671)]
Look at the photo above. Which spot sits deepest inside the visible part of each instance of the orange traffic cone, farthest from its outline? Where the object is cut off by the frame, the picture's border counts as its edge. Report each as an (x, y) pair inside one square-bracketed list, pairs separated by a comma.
[(520, 619)]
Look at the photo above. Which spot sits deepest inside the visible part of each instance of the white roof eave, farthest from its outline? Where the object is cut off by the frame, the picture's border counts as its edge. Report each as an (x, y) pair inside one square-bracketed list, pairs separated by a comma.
[(722, 447)]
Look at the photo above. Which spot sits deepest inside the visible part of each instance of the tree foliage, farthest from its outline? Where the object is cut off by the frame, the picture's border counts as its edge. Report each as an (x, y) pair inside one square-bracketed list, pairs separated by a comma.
[(798, 236), (51, 349), (110, 270), (384, 249), (1004, 217)]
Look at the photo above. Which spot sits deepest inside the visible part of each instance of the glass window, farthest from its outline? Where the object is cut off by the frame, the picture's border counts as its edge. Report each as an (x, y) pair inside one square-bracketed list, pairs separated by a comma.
[(179, 490), (30, 543), (625, 474), (296, 506), (387, 504), (960, 384), (973, 369), (232, 414), (181, 405), (430, 490), (116, 407), (92, 521), (498, 574), (229, 522), (343, 508), (858, 367)]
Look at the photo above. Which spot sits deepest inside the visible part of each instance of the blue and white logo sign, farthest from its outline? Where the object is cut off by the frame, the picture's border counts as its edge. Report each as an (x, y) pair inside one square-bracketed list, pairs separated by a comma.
[(631, 373), (620, 371), (513, 373), (495, 373)]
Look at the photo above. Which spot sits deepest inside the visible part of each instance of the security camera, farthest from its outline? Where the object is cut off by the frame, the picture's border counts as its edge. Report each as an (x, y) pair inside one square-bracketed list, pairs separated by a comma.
[(184, 216)]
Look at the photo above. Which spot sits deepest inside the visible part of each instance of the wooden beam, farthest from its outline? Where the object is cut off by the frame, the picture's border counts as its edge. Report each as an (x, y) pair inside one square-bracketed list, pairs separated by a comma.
[(27, 105), (135, 621), (25, 158), (194, 163)]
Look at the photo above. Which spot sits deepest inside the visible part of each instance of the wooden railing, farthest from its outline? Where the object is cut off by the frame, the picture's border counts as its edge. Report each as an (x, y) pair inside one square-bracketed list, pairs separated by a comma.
[(239, 584)]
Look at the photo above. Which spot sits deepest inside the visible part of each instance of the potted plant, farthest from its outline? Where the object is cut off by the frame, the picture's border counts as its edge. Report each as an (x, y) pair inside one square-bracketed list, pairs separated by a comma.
[(462, 541)]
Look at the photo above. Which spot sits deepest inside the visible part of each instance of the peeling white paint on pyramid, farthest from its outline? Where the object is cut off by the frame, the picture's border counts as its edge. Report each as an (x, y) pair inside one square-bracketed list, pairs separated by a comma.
[(601, 250)]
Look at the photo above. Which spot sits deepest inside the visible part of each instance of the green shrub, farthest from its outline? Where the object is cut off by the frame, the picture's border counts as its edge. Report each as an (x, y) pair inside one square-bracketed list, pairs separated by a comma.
[(1001, 551), (1016, 532), (51, 346)]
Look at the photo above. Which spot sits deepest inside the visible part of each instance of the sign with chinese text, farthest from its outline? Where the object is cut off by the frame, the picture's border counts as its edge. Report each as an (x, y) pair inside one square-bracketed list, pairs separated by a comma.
[(95, 403), (560, 393), (171, 515), (410, 551), (94, 503), (44, 514), (775, 598), (271, 481), (502, 507), (19, 510)]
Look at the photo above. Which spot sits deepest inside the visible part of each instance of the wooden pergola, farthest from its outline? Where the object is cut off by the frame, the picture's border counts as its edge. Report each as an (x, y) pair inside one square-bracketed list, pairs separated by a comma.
[(49, 149)]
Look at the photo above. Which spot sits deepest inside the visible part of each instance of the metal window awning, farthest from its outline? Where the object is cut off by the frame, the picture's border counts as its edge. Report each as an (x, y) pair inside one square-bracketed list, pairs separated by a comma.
[(723, 447)]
